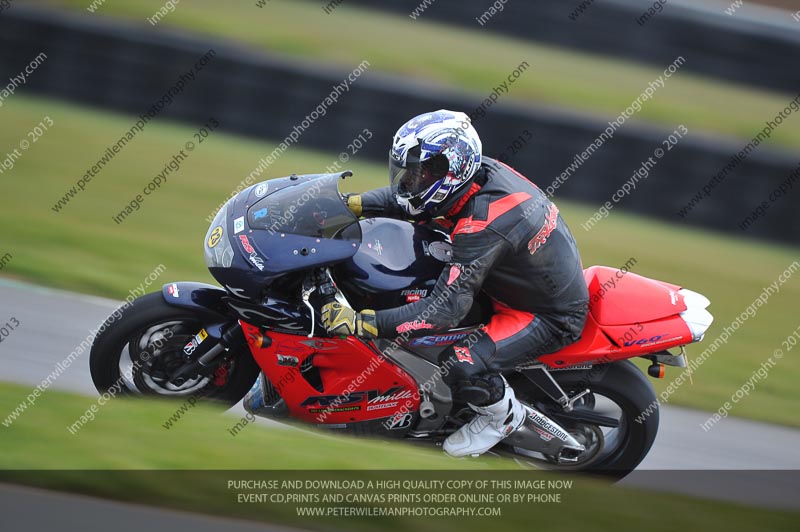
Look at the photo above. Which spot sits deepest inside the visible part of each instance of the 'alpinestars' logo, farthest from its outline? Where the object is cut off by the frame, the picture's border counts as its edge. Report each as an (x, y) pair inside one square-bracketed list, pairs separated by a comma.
[(463, 354)]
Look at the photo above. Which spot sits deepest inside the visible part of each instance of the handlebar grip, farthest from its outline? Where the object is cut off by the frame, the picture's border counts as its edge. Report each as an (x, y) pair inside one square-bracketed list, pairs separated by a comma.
[(327, 293)]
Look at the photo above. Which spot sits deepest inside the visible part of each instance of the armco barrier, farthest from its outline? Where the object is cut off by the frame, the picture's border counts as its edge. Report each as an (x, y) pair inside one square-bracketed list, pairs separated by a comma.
[(763, 52)]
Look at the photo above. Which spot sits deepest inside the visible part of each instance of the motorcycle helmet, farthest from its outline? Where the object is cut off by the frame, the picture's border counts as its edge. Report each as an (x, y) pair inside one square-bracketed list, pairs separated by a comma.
[(433, 155)]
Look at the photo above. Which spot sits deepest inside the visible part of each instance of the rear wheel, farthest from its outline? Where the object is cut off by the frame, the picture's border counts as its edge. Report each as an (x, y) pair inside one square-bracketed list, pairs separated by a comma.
[(135, 353), (618, 391)]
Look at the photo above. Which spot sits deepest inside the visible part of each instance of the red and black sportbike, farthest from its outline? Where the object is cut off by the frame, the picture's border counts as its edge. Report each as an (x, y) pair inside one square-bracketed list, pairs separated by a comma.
[(282, 248)]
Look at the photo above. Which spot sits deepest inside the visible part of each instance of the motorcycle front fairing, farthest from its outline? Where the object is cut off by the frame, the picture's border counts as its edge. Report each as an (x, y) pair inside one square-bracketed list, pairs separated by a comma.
[(278, 228)]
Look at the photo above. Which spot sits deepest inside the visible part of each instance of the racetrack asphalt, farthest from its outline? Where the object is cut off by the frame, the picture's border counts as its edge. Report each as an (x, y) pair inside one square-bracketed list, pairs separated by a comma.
[(723, 463), (21, 508)]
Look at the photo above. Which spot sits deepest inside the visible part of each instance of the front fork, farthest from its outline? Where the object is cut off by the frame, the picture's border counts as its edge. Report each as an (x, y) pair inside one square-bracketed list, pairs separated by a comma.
[(203, 352)]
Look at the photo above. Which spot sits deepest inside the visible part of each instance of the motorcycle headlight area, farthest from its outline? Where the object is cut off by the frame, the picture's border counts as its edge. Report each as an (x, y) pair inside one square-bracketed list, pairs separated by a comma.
[(217, 250)]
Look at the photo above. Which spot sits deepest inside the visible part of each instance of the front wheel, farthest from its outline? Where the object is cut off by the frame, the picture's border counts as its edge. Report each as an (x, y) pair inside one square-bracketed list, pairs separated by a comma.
[(618, 391), (134, 353)]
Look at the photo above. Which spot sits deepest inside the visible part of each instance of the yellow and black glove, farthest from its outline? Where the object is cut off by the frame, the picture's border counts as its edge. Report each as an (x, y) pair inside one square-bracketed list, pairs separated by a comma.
[(354, 203), (340, 320)]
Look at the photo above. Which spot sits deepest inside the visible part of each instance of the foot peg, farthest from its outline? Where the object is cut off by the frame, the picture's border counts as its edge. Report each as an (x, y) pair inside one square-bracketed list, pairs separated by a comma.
[(570, 455)]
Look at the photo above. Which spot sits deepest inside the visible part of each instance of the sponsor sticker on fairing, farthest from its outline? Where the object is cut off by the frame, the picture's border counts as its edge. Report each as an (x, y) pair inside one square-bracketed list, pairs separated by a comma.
[(195, 342), (254, 258), (400, 421), (383, 405), (287, 360), (238, 225), (414, 295), (215, 237)]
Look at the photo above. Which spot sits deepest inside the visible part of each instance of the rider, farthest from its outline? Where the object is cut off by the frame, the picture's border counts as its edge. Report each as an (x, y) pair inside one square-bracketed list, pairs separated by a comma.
[(508, 240)]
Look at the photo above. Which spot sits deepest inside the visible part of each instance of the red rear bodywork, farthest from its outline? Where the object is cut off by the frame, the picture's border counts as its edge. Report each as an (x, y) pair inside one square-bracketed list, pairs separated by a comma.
[(629, 315)]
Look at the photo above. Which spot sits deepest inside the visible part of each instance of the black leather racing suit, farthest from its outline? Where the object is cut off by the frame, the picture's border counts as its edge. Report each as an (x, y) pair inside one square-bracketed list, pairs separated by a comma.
[(509, 241)]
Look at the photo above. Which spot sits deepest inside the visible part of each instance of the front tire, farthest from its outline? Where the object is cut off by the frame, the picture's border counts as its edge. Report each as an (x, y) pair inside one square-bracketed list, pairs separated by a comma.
[(150, 325)]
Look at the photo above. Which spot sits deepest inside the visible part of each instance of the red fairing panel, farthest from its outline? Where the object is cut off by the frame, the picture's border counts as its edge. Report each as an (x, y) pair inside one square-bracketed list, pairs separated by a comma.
[(629, 316), (357, 384), (617, 298)]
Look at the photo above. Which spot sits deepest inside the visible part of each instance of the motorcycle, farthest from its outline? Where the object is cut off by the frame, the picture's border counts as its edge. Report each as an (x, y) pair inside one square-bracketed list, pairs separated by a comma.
[(282, 248)]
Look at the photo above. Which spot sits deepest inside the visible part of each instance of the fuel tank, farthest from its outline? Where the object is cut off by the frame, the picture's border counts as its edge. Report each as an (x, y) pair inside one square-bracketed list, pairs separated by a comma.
[(396, 263)]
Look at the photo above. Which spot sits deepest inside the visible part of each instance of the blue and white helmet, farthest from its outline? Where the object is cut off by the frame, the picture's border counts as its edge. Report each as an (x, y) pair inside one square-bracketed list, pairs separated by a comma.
[(432, 156)]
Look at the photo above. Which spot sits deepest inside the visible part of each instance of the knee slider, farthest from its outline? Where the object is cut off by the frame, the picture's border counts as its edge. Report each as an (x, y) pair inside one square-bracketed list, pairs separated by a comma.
[(481, 390), (473, 394)]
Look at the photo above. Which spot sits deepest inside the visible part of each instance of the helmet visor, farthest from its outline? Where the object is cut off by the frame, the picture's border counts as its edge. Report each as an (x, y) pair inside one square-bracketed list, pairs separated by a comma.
[(413, 179)]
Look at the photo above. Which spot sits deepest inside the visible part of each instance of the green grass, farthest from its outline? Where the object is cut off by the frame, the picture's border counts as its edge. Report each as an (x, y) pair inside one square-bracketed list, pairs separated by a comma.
[(128, 435), (82, 249), (472, 59)]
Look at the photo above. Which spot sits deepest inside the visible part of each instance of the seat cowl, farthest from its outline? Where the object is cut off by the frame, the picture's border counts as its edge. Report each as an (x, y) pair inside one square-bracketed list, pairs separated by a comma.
[(617, 297)]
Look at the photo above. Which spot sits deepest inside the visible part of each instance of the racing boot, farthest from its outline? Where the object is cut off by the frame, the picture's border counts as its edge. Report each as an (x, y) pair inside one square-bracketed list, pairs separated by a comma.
[(492, 424)]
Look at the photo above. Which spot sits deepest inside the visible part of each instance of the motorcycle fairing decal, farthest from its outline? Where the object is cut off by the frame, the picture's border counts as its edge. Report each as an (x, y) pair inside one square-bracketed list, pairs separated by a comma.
[(414, 294), (395, 394), (216, 236), (274, 313), (246, 244), (320, 345), (400, 421), (286, 360), (253, 256), (645, 342), (371, 396), (382, 405), (334, 409), (195, 342)]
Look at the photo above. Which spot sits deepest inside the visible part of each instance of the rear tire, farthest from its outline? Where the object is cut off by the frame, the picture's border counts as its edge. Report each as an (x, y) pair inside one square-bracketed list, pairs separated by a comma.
[(146, 313), (625, 385)]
